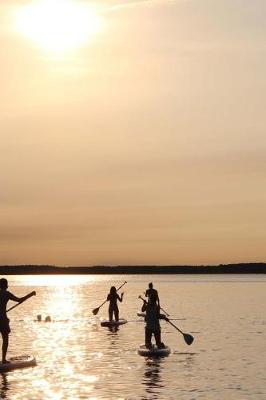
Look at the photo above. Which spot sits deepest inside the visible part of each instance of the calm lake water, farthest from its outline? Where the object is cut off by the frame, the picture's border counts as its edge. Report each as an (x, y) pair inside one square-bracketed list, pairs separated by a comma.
[(78, 359)]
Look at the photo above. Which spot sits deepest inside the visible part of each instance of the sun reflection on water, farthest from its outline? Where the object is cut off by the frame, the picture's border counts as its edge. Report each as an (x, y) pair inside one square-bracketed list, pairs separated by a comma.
[(62, 304), (55, 280), (57, 341)]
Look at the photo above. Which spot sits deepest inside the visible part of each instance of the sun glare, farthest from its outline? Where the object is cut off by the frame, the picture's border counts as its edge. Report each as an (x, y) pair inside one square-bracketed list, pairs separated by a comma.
[(57, 25)]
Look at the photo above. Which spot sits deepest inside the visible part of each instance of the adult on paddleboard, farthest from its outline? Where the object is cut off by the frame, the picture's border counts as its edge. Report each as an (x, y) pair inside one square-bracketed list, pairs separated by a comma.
[(152, 292), (113, 297), (5, 295), (152, 320)]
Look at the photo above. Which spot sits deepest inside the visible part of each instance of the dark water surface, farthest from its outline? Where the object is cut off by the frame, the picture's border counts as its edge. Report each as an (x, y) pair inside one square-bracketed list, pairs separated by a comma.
[(78, 359)]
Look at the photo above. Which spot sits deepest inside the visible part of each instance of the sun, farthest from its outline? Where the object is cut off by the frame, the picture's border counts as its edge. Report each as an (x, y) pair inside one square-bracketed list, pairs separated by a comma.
[(57, 25)]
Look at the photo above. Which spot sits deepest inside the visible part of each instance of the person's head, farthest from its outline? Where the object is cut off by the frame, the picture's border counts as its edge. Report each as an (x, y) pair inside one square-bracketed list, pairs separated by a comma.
[(3, 284), (152, 299), (150, 285), (113, 290)]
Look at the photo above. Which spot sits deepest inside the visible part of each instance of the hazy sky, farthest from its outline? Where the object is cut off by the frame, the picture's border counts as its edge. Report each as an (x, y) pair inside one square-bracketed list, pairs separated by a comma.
[(144, 144)]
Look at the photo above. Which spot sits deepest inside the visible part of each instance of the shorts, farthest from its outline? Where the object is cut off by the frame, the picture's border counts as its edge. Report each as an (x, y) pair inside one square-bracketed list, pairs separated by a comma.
[(4, 327)]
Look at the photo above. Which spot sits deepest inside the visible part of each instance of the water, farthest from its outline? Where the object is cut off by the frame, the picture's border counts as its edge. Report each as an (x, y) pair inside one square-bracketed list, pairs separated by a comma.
[(78, 359)]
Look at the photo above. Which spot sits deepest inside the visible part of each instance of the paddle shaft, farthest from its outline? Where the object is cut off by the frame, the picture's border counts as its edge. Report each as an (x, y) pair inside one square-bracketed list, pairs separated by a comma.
[(28, 296), (168, 315), (171, 323), (187, 337), (145, 301), (116, 290)]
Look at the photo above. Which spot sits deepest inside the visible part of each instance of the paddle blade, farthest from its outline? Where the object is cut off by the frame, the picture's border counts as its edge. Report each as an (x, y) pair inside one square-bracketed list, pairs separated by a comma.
[(95, 311), (188, 338)]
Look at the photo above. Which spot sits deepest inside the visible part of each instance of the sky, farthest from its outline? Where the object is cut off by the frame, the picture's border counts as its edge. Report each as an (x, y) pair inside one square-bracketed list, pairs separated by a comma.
[(137, 137)]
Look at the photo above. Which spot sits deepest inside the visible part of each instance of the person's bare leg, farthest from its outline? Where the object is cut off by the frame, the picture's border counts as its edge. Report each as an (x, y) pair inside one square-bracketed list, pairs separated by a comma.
[(111, 314), (148, 335), (4, 348), (157, 336)]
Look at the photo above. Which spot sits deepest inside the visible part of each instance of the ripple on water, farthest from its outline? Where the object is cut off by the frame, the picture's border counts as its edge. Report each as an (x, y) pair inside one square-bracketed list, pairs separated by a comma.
[(78, 359)]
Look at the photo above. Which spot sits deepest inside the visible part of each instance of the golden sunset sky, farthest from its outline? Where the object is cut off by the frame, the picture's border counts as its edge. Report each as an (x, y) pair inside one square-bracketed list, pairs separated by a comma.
[(132, 132)]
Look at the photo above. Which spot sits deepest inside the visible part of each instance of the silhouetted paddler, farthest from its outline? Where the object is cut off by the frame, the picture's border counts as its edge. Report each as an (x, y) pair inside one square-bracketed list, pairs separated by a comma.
[(152, 319), (112, 297), (152, 292), (5, 296)]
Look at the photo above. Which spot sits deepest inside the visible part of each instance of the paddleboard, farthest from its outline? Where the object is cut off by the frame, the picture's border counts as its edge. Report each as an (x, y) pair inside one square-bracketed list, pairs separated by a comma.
[(108, 323), (154, 351), (18, 362), (141, 314)]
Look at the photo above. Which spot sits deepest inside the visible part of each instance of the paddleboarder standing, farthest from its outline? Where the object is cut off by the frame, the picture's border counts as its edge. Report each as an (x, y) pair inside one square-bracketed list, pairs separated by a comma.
[(112, 297), (152, 319), (152, 292), (5, 295)]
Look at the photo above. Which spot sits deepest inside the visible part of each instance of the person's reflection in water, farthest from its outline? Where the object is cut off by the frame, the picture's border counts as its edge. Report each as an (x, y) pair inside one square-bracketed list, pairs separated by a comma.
[(112, 329), (152, 379), (4, 387), (113, 344)]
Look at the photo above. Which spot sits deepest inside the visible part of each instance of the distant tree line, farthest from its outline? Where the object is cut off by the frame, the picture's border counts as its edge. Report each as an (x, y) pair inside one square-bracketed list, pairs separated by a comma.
[(242, 268)]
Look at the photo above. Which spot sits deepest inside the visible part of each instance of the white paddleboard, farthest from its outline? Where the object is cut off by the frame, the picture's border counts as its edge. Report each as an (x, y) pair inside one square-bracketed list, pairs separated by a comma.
[(18, 362), (154, 351), (108, 323)]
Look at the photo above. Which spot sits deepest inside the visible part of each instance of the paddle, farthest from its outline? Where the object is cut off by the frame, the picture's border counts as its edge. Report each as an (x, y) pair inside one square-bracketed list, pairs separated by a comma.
[(96, 310), (20, 302), (168, 315), (187, 337), (145, 301)]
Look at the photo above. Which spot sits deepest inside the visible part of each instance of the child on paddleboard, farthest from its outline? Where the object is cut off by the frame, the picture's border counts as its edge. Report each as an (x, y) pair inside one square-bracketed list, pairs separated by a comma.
[(112, 297), (152, 320), (4, 321), (152, 292)]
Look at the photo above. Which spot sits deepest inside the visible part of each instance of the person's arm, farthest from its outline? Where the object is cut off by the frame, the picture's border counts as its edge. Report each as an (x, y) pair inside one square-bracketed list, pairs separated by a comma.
[(158, 299), (108, 297), (120, 298), (20, 299), (159, 316), (144, 307)]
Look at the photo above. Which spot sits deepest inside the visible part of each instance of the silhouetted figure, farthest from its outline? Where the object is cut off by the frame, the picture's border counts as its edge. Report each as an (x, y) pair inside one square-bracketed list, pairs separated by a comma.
[(48, 319), (152, 292), (152, 320), (4, 321), (112, 297), (39, 317)]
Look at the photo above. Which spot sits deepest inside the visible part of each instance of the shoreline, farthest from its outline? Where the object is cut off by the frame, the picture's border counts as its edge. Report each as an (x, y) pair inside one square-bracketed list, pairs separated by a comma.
[(242, 268)]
